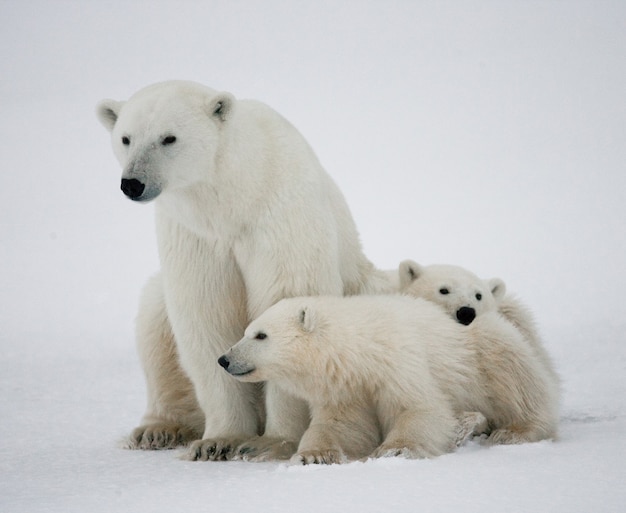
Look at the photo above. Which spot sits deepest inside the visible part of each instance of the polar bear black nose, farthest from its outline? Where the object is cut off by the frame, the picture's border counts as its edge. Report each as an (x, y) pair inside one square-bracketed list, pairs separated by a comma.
[(223, 361), (132, 187), (466, 315)]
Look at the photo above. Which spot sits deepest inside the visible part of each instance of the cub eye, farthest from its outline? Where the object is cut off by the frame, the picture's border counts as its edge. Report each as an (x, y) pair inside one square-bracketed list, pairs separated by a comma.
[(170, 139), (479, 296), (125, 140), (260, 336), (444, 291)]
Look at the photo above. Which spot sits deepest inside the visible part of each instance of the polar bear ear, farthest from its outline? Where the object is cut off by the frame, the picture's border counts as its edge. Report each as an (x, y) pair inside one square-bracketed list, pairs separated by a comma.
[(108, 112), (307, 319), (221, 106), (409, 272), (497, 287)]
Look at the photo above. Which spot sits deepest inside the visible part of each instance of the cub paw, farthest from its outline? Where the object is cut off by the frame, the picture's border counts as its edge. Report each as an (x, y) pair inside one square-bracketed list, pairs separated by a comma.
[(389, 451), (318, 457), (159, 436), (507, 437), (470, 424)]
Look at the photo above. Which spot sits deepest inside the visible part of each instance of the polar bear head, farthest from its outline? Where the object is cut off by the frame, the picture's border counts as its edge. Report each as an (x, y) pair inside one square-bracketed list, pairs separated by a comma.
[(166, 136), (461, 293), (276, 345), (299, 345)]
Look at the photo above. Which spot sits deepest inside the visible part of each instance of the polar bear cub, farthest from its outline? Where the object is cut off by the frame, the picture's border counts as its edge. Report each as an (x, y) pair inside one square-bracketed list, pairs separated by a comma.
[(388, 375)]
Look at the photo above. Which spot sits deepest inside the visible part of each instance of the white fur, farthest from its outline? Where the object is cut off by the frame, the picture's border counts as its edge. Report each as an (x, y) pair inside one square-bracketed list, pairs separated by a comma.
[(245, 216), (518, 314), (390, 375)]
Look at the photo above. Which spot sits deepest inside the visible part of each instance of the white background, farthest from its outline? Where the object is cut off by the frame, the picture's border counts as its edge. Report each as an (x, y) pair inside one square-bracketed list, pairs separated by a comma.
[(486, 134)]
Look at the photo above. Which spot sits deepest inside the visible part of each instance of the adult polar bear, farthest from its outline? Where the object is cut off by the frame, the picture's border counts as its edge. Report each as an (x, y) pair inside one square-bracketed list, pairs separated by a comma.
[(245, 216)]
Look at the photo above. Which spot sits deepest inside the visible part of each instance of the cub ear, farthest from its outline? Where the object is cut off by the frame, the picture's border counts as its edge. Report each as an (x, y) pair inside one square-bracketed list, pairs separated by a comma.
[(307, 319), (221, 106), (108, 112), (497, 287), (409, 272)]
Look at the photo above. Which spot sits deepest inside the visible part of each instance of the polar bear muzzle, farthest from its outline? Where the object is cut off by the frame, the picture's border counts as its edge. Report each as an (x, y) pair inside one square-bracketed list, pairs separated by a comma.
[(132, 187), (234, 367)]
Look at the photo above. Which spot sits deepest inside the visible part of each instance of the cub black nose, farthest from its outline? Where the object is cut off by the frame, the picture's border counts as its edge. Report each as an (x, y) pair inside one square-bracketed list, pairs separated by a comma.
[(132, 187), (466, 315), (224, 362)]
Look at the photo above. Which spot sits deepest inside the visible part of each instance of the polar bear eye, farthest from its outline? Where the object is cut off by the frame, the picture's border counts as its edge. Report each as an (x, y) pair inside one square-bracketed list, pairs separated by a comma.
[(170, 139), (479, 296), (260, 336), (444, 291), (125, 140)]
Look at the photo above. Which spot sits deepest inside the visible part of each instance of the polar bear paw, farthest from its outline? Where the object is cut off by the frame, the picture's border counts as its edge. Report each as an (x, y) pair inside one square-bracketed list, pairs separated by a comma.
[(159, 436), (263, 448), (470, 424), (389, 451), (318, 457), (210, 449), (508, 437)]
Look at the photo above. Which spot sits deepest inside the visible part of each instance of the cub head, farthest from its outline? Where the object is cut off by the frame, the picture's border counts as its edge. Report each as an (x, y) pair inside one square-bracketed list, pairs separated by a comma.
[(461, 293), (276, 346), (166, 136)]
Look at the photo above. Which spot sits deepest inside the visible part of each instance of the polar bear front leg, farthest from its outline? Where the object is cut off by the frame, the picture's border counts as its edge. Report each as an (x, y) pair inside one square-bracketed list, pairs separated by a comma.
[(206, 304), (419, 433), (173, 416), (338, 433), (319, 446), (287, 420)]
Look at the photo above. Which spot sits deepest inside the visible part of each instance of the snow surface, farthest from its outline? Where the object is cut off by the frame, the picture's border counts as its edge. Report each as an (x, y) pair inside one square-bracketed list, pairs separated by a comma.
[(486, 134)]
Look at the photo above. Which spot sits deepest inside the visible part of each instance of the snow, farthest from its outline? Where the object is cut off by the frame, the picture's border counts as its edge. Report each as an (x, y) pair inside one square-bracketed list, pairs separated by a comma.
[(485, 134)]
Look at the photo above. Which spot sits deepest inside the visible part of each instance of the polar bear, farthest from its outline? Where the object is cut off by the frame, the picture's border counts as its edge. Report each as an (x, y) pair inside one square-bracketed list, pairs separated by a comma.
[(464, 296), (389, 375), (245, 216)]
